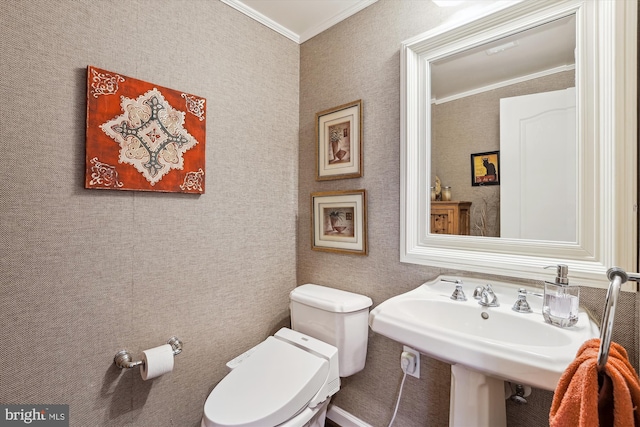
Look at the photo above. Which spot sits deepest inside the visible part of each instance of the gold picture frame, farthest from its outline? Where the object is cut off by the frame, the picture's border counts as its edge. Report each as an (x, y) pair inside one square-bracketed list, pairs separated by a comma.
[(339, 221), (339, 142)]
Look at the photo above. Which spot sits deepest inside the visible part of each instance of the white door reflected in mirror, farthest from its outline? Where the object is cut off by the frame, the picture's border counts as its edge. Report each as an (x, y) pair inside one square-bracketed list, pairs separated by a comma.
[(538, 151)]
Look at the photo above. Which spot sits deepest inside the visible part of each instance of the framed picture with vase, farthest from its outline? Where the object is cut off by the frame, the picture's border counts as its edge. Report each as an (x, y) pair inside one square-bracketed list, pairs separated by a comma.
[(339, 142), (339, 221)]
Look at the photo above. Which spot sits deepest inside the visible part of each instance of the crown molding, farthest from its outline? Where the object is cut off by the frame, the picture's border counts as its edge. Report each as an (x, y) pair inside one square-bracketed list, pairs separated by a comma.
[(314, 31), (306, 35), (252, 13)]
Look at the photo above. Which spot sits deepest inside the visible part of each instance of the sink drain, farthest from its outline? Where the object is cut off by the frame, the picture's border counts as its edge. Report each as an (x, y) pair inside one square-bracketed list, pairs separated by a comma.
[(485, 315)]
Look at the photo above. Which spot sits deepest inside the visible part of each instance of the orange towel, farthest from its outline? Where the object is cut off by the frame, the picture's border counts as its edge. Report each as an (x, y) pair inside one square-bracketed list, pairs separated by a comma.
[(585, 398)]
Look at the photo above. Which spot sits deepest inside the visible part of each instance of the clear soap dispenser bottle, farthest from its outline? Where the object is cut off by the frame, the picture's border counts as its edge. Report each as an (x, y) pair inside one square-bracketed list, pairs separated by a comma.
[(561, 301)]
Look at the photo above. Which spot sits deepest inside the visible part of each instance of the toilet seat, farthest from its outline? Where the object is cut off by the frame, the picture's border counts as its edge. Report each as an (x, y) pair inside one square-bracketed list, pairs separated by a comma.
[(271, 386)]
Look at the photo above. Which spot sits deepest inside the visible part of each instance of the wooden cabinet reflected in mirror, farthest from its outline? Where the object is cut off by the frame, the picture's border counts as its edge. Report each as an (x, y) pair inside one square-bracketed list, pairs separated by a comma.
[(450, 218)]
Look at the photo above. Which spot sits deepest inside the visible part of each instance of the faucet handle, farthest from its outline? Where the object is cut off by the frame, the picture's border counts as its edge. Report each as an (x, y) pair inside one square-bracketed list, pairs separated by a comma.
[(477, 292), (458, 293), (521, 305), (537, 294)]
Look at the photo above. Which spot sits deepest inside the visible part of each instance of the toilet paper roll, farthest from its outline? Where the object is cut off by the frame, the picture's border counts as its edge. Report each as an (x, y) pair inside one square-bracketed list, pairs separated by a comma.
[(157, 361)]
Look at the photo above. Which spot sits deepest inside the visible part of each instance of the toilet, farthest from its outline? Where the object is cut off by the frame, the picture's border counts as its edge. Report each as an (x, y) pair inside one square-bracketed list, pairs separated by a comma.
[(288, 379)]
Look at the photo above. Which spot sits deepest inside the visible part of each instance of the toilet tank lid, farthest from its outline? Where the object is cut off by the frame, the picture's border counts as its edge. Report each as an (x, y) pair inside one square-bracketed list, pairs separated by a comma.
[(329, 299)]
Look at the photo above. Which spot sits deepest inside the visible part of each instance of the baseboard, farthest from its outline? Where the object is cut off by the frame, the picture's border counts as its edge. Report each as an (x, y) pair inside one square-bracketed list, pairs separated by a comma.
[(344, 418)]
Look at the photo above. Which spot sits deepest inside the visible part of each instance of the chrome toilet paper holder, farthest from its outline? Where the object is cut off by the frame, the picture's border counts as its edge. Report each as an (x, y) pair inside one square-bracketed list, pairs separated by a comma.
[(124, 360)]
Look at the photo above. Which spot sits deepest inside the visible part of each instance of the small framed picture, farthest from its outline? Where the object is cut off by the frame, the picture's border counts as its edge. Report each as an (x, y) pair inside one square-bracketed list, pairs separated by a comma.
[(339, 142), (485, 168), (339, 221)]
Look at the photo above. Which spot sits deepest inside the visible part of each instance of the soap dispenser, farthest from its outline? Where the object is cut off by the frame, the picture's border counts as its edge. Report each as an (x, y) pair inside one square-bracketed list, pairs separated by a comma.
[(561, 301)]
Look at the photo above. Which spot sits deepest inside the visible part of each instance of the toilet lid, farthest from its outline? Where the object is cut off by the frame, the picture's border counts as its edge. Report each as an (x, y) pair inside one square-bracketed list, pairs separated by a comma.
[(266, 389)]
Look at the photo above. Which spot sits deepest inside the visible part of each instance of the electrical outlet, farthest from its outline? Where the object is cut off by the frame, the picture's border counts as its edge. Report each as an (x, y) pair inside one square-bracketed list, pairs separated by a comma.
[(410, 361)]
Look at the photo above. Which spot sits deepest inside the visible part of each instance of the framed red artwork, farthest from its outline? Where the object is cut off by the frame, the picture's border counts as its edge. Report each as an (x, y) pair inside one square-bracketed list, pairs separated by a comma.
[(142, 136)]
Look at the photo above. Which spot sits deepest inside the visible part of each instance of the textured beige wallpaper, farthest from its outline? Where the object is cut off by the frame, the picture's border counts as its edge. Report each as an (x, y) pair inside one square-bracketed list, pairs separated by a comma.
[(360, 59), (85, 273)]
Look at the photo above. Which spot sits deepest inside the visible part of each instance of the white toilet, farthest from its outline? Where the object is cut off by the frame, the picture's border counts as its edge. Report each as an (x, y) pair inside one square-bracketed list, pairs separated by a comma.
[(288, 379)]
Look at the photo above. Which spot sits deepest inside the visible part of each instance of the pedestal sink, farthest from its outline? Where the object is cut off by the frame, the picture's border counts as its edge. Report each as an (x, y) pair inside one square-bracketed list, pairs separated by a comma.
[(485, 345)]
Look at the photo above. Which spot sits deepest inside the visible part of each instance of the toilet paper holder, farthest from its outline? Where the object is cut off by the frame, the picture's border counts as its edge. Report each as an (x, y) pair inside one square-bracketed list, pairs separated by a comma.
[(124, 360)]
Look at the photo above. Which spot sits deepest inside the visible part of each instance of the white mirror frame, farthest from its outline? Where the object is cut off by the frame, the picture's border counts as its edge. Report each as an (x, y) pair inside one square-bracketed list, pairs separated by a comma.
[(606, 80)]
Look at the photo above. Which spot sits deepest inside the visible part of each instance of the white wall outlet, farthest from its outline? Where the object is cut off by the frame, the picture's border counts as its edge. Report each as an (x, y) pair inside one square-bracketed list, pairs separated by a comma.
[(410, 361)]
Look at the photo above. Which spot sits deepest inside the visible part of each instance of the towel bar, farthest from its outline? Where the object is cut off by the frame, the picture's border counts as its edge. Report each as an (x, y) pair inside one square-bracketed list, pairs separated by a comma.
[(618, 277)]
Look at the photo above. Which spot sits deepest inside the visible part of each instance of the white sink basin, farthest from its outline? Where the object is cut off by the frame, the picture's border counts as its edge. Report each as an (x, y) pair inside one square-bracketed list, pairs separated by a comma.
[(518, 347)]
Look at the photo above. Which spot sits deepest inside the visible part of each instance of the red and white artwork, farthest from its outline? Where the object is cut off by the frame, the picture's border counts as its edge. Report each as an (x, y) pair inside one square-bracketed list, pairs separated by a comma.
[(142, 136)]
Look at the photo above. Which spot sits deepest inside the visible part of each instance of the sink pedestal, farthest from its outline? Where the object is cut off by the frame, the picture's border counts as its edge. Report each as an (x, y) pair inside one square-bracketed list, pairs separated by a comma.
[(476, 399)]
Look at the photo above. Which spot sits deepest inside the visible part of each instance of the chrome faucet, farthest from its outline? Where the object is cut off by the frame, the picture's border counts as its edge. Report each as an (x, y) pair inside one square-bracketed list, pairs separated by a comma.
[(488, 298)]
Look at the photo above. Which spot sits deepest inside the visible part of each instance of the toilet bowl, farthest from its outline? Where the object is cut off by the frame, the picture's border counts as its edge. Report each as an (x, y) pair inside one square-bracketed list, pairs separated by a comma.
[(283, 376), (288, 379)]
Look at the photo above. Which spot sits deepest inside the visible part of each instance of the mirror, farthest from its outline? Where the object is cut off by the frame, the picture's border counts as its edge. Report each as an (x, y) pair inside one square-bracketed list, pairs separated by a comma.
[(601, 215), (514, 114)]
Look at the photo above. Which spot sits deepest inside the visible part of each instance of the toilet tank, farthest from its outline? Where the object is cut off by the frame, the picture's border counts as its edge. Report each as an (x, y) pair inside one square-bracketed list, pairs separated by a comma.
[(339, 318)]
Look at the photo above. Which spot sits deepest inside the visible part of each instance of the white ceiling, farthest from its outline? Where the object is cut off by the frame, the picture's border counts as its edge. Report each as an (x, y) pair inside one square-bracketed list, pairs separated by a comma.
[(299, 20)]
